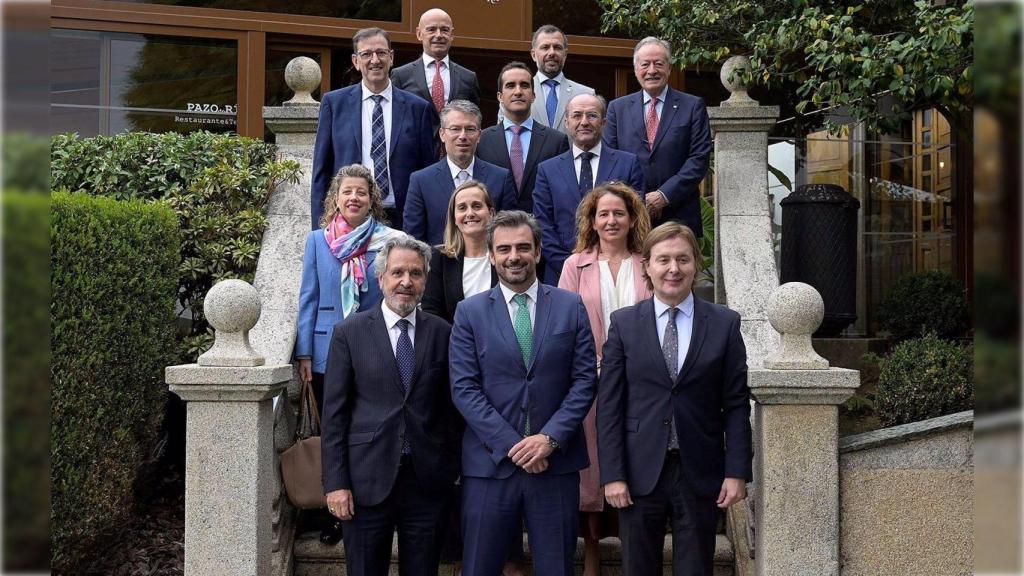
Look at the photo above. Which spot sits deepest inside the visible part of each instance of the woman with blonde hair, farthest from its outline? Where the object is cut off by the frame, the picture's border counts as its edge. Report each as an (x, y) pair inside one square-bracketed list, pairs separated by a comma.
[(605, 270), (338, 277)]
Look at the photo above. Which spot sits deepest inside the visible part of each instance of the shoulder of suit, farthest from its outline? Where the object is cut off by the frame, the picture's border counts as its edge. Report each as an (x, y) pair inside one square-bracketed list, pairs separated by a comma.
[(408, 97), (579, 87), (456, 66), (341, 92), (720, 310), (628, 312), (429, 319)]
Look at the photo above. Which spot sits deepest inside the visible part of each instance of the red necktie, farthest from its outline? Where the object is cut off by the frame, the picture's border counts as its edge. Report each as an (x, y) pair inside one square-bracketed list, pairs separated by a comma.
[(437, 86), (652, 123), (516, 156)]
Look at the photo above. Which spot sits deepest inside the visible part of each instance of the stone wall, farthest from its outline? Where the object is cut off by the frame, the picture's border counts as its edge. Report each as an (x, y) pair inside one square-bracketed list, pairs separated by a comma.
[(906, 499)]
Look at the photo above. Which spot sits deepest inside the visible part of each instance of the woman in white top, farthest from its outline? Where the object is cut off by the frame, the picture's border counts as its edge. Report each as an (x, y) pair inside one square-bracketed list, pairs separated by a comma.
[(605, 270)]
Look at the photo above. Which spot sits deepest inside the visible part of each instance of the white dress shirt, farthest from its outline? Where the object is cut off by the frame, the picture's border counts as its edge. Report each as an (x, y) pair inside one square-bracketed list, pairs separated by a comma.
[(661, 102), (455, 170), (446, 75), (684, 325), (531, 302), (391, 319), (595, 161), (367, 130), (476, 275)]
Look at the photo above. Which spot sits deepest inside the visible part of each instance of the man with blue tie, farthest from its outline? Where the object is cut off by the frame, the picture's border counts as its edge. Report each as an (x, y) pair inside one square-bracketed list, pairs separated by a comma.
[(429, 189), (375, 124), (390, 431), (564, 180), (669, 131), (548, 51), (673, 413), (518, 142), (523, 371)]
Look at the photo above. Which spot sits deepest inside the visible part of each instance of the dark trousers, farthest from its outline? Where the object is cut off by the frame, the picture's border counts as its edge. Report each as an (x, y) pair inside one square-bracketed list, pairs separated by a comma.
[(493, 511), (417, 515), (642, 527)]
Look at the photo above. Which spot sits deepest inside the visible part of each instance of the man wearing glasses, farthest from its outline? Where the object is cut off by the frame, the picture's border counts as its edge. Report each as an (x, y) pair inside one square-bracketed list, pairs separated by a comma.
[(431, 188), (436, 33), (375, 124), (564, 180)]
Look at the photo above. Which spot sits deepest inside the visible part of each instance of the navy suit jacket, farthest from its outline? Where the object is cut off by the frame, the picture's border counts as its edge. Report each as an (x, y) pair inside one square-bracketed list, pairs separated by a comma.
[(682, 147), (339, 141), (426, 206), (545, 143), (709, 400), (557, 195), (491, 384), (366, 410)]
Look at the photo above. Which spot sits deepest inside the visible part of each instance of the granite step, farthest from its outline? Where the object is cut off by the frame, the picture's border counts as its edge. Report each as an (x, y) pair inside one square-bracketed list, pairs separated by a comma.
[(315, 559)]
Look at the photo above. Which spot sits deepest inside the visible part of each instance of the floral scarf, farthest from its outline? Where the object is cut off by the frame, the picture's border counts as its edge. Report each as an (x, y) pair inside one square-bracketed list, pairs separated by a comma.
[(350, 245)]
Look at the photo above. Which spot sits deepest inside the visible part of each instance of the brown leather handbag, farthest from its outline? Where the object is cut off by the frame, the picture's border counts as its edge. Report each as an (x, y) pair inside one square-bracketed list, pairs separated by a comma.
[(300, 464)]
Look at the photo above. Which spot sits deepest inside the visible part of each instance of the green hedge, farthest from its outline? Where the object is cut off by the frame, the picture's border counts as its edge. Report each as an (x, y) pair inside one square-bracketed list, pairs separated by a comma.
[(924, 378), (925, 302), (217, 184), (113, 279)]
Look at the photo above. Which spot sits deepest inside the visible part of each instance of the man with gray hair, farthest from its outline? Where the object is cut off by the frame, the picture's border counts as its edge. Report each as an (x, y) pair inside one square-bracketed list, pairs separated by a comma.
[(431, 187), (390, 442), (548, 51), (670, 133)]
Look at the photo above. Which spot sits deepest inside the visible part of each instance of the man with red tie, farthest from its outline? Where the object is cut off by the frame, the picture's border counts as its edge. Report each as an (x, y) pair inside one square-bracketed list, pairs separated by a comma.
[(669, 132)]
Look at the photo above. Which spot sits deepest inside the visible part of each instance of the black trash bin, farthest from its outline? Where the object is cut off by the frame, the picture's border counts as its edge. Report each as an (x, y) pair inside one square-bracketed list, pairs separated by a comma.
[(819, 247)]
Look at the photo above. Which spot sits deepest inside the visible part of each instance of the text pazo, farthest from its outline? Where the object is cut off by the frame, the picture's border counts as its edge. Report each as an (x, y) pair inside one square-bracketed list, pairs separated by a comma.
[(215, 108)]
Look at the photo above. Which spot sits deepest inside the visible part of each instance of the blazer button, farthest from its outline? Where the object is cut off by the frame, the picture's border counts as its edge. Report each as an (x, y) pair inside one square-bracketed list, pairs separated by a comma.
[(675, 392), (666, 421)]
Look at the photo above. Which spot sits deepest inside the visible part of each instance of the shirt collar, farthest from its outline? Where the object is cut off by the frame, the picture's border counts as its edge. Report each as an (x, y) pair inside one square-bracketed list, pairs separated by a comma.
[(542, 78), (664, 92), (527, 125), (391, 317), (576, 151), (386, 93), (686, 306), (455, 169), (428, 60), (531, 291)]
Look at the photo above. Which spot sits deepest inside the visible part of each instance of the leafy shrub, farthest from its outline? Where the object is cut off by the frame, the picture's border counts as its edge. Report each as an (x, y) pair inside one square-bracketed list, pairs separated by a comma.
[(925, 302), (113, 280), (25, 162), (217, 184), (26, 377), (924, 378)]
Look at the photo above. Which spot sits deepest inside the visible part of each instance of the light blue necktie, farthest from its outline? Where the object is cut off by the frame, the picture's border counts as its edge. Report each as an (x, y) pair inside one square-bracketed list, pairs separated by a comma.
[(379, 148), (552, 102)]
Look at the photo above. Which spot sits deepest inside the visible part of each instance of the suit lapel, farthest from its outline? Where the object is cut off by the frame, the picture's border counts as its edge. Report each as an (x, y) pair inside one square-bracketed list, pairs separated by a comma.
[(697, 333), (382, 342), (637, 113), (536, 143), (568, 168), (540, 323), (454, 81), (538, 111), (453, 279), (653, 342), (419, 348), (419, 76), (564, 93), (354, 105), (668, 112), (605, 165), (397, 117), (499, 311)]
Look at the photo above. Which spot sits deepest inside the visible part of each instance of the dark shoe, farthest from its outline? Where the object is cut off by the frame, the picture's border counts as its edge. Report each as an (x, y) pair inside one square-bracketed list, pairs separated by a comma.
[(331, 535)]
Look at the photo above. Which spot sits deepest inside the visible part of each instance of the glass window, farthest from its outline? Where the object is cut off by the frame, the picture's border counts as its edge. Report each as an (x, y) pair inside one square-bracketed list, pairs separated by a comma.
[(107, 83), (574, 17), (385, 10)]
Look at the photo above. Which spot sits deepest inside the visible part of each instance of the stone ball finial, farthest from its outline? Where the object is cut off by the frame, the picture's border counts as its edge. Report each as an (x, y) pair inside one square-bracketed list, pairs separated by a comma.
[(732, 78), (302, 75), (795, 310), (232, 307)]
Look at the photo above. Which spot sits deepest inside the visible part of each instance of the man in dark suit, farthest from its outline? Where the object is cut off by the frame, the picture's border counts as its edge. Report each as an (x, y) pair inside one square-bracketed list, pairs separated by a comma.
[(669, 131), (436, 32), (519, 143), (673, 413), (390, 431), (564, 180), (430, 189), (372, 123), (523, 368)]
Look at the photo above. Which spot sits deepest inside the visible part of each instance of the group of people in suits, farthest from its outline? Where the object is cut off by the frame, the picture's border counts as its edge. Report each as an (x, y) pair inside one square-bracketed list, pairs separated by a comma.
[(481, 310)]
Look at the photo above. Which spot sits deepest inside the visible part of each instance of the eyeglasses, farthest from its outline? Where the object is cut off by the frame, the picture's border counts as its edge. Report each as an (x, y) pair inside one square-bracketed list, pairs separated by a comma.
[(578, 116), (434, 30), (367, 55), (468, 130)]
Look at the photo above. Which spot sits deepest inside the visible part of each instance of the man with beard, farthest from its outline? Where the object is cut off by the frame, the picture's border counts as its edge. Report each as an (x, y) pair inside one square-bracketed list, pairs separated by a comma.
[(436, 32), (564, 180), (669, 131), (523, 376), (390, 431), (518, 142), (372, 123), (553, 89)]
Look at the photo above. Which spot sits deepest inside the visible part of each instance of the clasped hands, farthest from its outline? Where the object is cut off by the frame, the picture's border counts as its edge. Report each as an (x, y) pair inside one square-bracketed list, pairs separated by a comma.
[(531, 453)]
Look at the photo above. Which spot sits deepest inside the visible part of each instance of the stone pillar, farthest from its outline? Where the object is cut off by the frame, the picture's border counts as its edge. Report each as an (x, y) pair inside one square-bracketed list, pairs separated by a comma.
[(229, 456), (796, 462), (745, 268)]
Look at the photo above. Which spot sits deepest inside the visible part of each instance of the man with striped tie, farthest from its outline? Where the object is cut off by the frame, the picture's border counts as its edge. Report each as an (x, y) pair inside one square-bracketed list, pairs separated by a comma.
[(372, 123)]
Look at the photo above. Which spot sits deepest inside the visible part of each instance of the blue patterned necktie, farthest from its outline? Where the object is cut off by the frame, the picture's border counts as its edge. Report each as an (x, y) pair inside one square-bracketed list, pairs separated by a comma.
[(406, 359), (524, 334), (670, 350), (552, 102), (379, 148), (586, 174)]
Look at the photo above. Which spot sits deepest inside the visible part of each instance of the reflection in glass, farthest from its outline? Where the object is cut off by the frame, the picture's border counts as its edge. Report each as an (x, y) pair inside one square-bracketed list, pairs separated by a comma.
[(575, 17), (107, 83), (386, 10)]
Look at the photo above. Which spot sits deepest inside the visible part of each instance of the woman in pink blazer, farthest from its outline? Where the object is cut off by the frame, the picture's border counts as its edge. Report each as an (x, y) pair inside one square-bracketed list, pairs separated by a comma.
[(605, 270)]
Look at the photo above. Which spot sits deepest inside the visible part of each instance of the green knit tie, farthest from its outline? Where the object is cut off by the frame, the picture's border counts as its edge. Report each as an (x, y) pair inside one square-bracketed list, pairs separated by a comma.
[(524, 331)]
